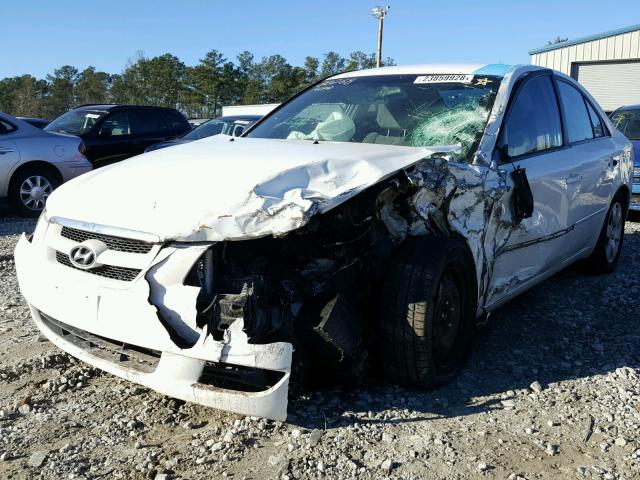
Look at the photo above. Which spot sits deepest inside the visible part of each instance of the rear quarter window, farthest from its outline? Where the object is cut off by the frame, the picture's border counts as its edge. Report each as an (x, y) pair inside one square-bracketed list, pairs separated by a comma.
[(596, 121), (175, 121)]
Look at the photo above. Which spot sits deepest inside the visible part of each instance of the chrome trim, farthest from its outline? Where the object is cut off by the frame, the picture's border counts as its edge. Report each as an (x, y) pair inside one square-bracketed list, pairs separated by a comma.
[(106, 230), (604, 209), (551, 236), (528, 243)]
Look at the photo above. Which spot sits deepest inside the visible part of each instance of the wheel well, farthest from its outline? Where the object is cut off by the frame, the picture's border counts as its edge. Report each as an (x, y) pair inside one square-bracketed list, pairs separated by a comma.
[(36, 164), (624, 190), (473, 260)]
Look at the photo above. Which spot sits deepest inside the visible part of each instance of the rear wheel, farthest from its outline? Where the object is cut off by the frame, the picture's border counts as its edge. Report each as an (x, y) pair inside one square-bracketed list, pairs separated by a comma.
[(428, 312), (30, 189), (606, 253)]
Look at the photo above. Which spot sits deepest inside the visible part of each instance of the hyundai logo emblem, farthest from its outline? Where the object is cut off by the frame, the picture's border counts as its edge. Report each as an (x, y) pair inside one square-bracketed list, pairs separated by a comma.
[(82, 256)]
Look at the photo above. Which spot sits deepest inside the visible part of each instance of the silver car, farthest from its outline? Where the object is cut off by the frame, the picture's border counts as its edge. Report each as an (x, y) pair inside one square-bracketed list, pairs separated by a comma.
[(34, 162)]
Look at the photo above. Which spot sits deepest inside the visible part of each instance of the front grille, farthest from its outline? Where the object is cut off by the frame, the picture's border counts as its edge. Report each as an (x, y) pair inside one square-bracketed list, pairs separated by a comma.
[(110, 271), (113, 243), (132, 356)]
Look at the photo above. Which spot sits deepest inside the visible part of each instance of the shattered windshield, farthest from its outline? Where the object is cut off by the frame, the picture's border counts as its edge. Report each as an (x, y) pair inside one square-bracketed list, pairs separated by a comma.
[(408, 110)]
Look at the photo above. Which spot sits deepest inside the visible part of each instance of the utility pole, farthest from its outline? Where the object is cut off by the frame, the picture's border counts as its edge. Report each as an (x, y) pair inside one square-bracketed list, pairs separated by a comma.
[(380, 13)]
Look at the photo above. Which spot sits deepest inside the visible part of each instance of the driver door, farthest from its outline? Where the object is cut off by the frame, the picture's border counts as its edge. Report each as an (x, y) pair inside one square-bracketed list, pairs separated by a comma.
[(532, 139)]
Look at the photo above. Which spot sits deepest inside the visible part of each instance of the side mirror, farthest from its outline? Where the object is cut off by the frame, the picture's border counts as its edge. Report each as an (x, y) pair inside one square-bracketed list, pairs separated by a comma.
[(503, 151)]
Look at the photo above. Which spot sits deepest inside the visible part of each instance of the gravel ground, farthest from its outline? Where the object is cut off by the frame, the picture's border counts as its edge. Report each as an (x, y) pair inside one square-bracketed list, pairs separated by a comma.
[(551, 391)]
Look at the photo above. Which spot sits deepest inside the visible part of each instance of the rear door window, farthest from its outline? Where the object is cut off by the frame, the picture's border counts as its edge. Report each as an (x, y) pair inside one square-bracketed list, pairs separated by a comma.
[(533, 122), (576, 116), (115, 125), (146, 121)]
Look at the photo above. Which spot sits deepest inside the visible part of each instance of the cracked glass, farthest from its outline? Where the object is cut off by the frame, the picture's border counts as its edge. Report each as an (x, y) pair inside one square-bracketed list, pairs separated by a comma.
[(404, 110)]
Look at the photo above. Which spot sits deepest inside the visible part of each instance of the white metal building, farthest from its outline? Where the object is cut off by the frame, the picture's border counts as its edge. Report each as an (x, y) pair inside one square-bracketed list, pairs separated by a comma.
[(248, 109), (607, 64)]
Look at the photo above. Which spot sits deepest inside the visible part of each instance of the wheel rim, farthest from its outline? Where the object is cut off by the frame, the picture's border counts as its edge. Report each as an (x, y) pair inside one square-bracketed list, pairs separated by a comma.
[(448, 313), (34, 192), (614, 232)]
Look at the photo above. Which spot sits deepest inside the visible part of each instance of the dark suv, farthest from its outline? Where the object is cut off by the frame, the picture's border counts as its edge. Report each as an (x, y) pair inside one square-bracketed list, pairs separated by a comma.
[(114, 132)]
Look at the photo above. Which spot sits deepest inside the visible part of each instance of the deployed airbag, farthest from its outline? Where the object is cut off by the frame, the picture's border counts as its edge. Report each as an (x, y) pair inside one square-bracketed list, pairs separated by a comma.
[(337, 127)]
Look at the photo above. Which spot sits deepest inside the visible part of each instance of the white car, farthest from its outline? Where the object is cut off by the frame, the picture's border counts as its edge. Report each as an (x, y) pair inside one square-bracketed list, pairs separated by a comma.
[(380, 213), (34, 162)]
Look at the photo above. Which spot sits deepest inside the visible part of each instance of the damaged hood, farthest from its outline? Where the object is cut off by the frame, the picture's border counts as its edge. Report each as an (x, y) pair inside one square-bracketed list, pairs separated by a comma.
[(217, 189)]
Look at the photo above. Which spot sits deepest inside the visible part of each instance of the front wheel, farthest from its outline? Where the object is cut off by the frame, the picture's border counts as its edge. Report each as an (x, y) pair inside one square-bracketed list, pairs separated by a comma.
[(606, 253), (428, 312)]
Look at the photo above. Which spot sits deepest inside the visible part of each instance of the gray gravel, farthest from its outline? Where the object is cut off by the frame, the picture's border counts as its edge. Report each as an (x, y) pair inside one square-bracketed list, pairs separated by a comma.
[(551, 391)]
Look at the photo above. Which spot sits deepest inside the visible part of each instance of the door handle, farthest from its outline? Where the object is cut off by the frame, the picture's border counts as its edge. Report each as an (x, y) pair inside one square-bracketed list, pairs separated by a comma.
[(5, 150), (571, 179)]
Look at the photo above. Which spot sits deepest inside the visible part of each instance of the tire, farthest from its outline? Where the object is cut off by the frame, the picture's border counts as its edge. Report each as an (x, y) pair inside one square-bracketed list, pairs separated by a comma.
[(606, 253), (428, 312), (29, 190)]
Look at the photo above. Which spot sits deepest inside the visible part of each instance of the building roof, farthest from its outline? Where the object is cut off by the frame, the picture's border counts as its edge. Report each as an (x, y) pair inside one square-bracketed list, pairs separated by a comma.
[(590, 38), (497, 69)]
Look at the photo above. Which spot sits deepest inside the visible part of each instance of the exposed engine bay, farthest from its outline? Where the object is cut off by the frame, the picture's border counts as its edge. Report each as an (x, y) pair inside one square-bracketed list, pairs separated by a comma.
[(314, 288)]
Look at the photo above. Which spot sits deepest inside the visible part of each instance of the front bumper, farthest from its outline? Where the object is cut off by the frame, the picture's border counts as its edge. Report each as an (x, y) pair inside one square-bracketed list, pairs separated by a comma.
[(77, 311)]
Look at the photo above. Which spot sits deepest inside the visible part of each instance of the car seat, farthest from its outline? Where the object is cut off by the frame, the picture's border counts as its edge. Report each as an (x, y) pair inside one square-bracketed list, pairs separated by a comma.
[(392, 132)]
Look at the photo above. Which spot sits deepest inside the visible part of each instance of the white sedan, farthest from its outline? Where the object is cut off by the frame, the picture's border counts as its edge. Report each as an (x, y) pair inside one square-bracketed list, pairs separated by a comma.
[(34, 162), (378, 215)]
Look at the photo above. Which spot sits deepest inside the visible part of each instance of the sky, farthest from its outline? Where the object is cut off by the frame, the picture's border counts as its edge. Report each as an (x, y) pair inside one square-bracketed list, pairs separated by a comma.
[(41, 35)]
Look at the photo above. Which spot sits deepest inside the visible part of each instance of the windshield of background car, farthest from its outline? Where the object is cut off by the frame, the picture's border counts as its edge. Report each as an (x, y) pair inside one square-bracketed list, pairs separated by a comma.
[(75, 122), (408, 110), (207, 129), (216, 127), (628, 122)]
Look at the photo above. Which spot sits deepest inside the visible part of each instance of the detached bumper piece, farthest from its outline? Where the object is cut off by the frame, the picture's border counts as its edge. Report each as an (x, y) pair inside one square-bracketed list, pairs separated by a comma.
[(235, 388), (239, 378), (130, 356)]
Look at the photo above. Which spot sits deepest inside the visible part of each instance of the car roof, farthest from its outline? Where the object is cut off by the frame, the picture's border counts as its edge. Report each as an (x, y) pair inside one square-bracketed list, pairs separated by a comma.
[(19, 122), (26, 119), (498, 69), (629, 107), (108, 107)]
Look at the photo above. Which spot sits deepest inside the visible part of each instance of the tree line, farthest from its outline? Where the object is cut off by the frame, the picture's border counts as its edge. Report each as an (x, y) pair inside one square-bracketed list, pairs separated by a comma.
[(197, 91)]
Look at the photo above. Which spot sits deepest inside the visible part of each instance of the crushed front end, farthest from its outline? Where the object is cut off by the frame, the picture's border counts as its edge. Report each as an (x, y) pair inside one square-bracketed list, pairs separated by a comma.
[(215, 323), (134, 315), (228, 323)]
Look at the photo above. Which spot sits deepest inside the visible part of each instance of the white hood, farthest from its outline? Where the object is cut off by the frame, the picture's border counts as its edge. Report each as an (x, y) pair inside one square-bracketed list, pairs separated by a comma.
[(217, 189)]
